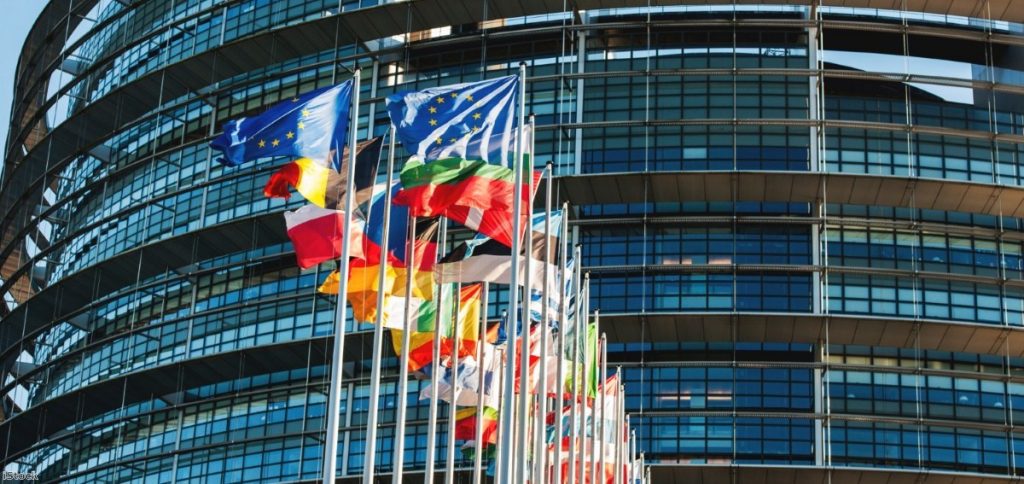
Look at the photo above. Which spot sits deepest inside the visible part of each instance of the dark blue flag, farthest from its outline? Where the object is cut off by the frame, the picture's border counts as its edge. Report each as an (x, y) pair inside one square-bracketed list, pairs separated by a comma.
[(474, 121), (312, 126)]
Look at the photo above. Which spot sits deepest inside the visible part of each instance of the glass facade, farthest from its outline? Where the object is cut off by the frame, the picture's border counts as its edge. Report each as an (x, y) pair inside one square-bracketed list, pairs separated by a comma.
[(155, 327)]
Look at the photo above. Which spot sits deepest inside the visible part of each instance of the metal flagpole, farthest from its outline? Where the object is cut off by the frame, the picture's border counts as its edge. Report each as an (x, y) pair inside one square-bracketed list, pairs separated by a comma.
[(540, 448), (621, 434), (502, 355), (618, 434), (369, 466), (556, 471), (449, 460), (398, 458), (574, 427), (631, 453), (435, 364), (507, 407), (583, 385), (599, 383), (525, 350), (330, 463), (602, 441), (478, 434)]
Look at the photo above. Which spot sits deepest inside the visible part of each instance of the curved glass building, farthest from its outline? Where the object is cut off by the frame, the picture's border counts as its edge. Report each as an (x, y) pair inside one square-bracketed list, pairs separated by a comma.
[(804, 225)]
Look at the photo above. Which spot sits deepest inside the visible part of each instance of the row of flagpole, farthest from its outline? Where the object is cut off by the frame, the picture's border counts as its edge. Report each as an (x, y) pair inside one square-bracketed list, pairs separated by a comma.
[(582, 389)]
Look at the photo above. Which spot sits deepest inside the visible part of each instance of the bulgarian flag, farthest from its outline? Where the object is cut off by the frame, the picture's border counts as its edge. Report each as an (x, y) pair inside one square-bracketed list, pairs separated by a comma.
[(471, 192)]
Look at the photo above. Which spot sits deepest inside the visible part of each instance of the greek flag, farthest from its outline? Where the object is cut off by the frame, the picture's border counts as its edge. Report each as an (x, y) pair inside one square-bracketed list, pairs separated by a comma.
[(555, 299)]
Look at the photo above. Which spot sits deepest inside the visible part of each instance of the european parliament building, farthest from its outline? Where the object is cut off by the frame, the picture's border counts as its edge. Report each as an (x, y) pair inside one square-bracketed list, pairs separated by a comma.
[(803, 220)]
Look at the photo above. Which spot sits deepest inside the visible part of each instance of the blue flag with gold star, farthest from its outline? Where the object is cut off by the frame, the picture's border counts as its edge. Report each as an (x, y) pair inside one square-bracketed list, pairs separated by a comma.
[(473, 121), (311, 125)]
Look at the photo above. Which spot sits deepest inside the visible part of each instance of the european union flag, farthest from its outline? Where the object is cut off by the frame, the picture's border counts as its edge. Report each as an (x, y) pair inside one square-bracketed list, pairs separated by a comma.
[(474, 121), (311, 125)]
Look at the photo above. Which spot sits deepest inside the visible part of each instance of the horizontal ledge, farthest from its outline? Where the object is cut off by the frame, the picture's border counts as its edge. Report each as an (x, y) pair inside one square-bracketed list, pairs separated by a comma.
[(793, 187), (750, 327), (137, 264), (56, 414), (792, 474)]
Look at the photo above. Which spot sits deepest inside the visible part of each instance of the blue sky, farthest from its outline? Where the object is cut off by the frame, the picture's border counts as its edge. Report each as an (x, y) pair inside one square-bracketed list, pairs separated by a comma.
[(18, 17)]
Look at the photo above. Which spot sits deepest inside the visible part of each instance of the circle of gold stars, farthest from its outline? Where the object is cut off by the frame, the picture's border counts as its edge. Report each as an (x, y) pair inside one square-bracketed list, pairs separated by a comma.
[(274, 143), (440, 101)]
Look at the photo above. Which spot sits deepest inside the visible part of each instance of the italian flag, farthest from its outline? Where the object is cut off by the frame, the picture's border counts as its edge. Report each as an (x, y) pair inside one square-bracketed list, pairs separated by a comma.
[(421, 340), (471, 192)]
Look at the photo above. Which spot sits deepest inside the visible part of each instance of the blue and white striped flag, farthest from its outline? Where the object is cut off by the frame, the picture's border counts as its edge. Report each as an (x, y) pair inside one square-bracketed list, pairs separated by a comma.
[(555, 299)]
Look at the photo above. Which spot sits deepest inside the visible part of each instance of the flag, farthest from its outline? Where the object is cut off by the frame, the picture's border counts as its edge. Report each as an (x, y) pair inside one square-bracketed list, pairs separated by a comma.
[(484, 259), (423, 322), (468, 379), (554, 299), (609, 398), (592, 351), (426, 248), (312, 125), (466, 421), (474, 120), (498, 334), (468, 324), (364, 280), (532, 358), (421, 347), (470, 192), (320, 184), (316, 234), (363, 285)]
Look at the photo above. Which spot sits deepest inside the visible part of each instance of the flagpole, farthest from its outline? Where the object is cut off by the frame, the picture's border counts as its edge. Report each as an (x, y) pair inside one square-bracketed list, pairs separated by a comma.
[(583, 409), (449, 469), (540, 445), (369, 461), (620, 433), (632, 452), (574, 427), (502, 355), (398, 457), (435, 364), (507, 407), (556, 471), (602, 430), (478, 433), (583, 388), (599, 382), (330, 462), (523, 416)]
